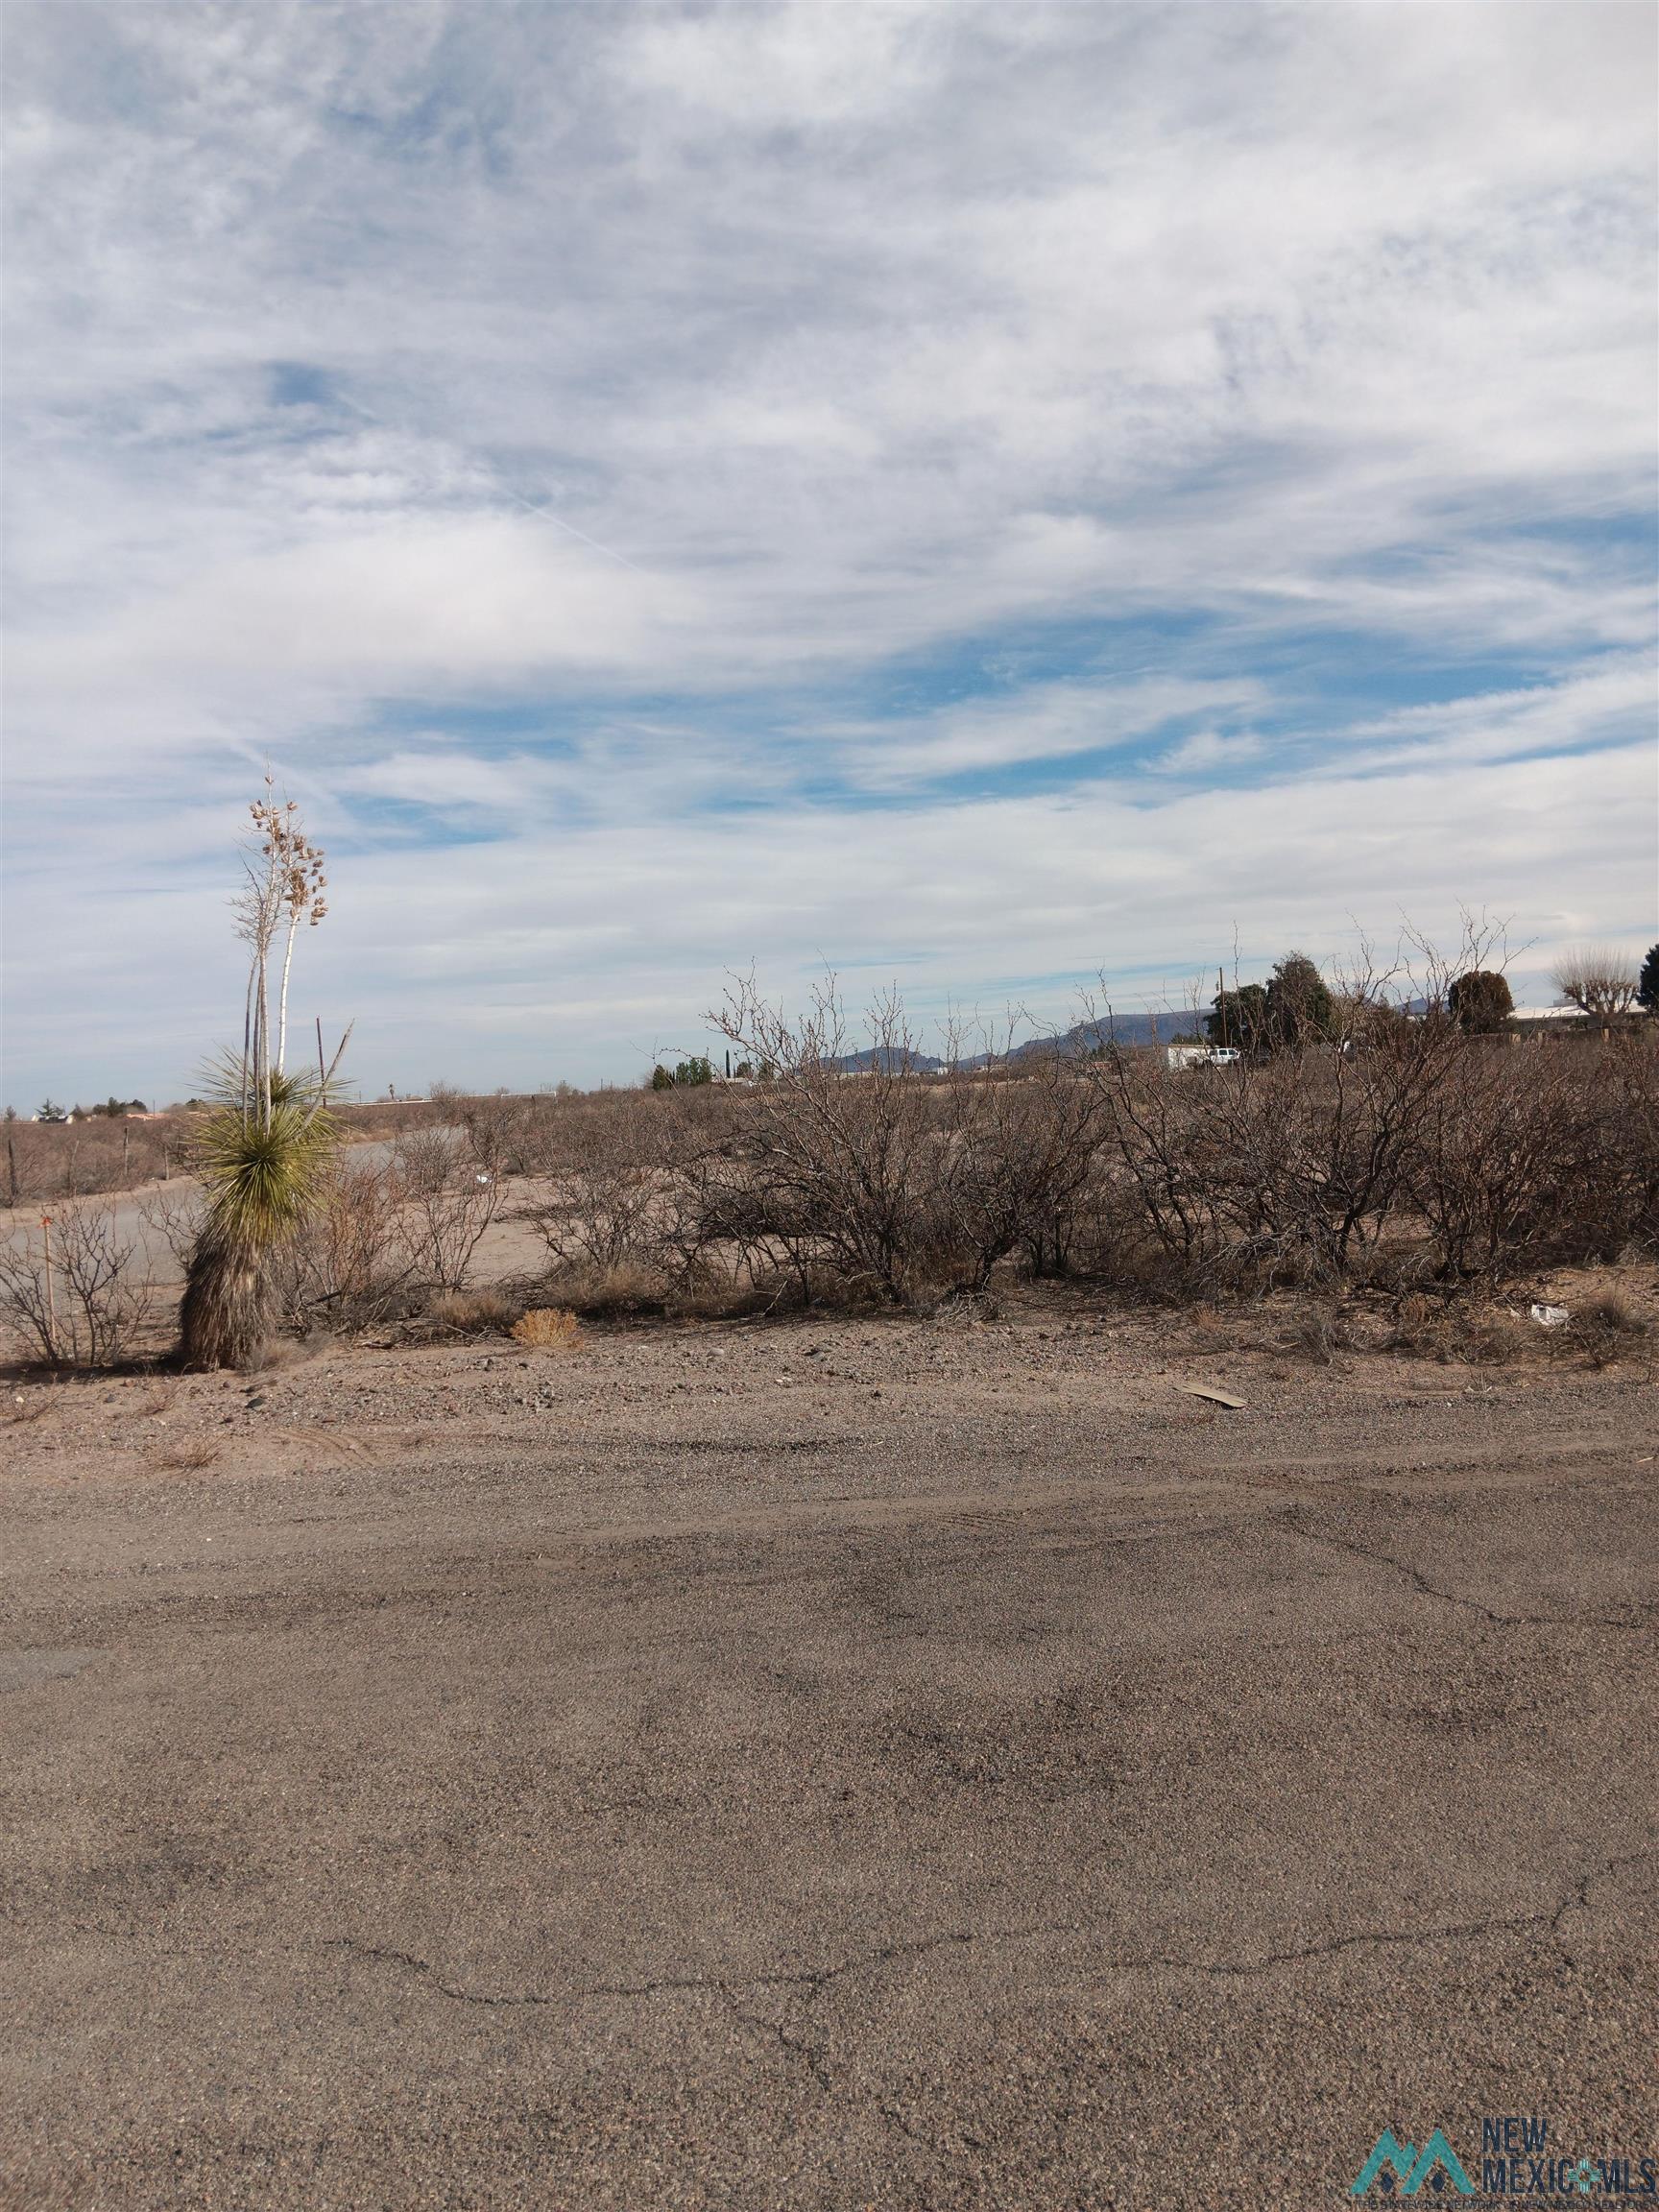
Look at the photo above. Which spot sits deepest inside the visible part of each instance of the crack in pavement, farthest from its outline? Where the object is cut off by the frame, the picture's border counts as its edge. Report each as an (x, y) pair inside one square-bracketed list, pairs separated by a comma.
[(815, 1980), (423, 1968), (1293, 1522), (813, 2055)]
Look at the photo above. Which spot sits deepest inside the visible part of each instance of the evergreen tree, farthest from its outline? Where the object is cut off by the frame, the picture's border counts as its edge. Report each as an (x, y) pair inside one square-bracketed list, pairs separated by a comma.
[(1299, 1007), (1480, 1001), (1240, 1019)]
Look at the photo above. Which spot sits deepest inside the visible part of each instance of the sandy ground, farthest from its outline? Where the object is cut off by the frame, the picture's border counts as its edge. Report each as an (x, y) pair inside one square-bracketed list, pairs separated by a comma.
[(904, 1765)]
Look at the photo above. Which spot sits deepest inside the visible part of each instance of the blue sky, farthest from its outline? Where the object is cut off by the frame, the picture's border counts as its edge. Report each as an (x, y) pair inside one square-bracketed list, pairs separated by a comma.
[(985, 498)]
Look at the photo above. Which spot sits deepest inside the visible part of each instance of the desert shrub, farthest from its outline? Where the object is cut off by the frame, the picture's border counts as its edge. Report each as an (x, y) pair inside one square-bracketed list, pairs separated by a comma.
[(1469, 1330), (476, 1313), (909, 1180), (1525, 1158), (1294, 1165), (497, 1129), (1018, 1169), (174, 1214), (886, 1174), (1605, 1327), (347, 1265), (605, 1202), (1628, 1086), (448, 1196), (840, 1169), (1320, 1331), (547, 1328), (74, 1294), (189, 1455), (1612, 1311)]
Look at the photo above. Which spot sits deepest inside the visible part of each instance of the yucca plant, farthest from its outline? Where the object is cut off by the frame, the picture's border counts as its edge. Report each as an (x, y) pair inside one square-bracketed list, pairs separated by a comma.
[(264, 1150)]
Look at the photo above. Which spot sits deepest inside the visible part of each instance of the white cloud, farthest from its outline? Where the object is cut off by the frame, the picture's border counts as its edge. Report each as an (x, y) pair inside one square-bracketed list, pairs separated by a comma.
[(1207, 751), (863, 349)]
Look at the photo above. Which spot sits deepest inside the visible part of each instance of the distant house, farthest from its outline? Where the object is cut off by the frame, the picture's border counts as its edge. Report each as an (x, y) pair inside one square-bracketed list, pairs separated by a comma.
[(1542, 1017), (1531, 1023)]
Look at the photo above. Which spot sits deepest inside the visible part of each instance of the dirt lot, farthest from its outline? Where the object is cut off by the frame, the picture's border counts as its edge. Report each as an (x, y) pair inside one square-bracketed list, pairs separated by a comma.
[(897, 1764)]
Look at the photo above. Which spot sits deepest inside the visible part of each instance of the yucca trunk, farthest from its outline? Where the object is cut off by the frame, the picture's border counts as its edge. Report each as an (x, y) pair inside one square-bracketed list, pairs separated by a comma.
[(227, 1305)]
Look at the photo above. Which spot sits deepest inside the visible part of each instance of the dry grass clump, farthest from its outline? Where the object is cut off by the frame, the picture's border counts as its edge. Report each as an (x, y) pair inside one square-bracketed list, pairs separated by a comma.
[(1605, 1327), (547, 1328), (1320, 1333), (1463, 1330), (188, 1456), (476, 1312), (1613, 1313), (623, 1289)]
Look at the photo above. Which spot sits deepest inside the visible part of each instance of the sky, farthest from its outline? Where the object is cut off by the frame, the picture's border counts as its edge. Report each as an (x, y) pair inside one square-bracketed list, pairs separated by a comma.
[(1002, 501)]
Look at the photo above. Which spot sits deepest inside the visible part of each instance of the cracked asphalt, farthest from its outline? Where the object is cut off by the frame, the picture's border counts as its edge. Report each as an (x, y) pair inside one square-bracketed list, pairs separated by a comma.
[(893, 1768)]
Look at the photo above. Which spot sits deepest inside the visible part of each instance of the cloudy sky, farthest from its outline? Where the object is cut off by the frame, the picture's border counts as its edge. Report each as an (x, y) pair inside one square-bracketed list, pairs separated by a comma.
[(982, 496)]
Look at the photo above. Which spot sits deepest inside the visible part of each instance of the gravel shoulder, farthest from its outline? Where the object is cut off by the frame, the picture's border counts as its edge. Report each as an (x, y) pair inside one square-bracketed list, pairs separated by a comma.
[(904, 1765)]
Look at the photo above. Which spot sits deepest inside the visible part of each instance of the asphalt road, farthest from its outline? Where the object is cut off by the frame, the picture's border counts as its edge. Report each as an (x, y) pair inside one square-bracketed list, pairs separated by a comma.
[(450, 1822)]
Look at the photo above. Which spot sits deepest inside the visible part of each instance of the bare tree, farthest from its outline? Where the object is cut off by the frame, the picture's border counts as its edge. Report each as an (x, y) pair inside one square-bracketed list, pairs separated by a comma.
[(1597, 979)]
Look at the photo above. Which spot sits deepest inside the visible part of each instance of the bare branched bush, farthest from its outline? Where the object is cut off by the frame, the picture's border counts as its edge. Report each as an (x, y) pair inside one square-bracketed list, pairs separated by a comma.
[(879, 1173), (1526, 1159), (74, 1293), (174, 1212), (1301, 1166), (608, 1190), (499, 1132), (447, 1197), (835, 1167), (347, 1264), (1018, 1166)]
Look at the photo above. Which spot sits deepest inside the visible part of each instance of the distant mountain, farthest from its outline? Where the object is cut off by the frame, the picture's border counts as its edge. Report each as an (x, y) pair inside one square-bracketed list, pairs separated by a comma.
[(886, 1057), (1130, 1030)]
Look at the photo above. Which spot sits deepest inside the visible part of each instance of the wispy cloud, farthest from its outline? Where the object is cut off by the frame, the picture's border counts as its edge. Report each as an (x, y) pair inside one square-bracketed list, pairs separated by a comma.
[(858, 478)]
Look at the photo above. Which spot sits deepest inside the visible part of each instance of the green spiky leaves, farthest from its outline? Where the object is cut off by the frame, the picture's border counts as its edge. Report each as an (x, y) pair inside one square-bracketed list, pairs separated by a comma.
[(264, 1174)]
